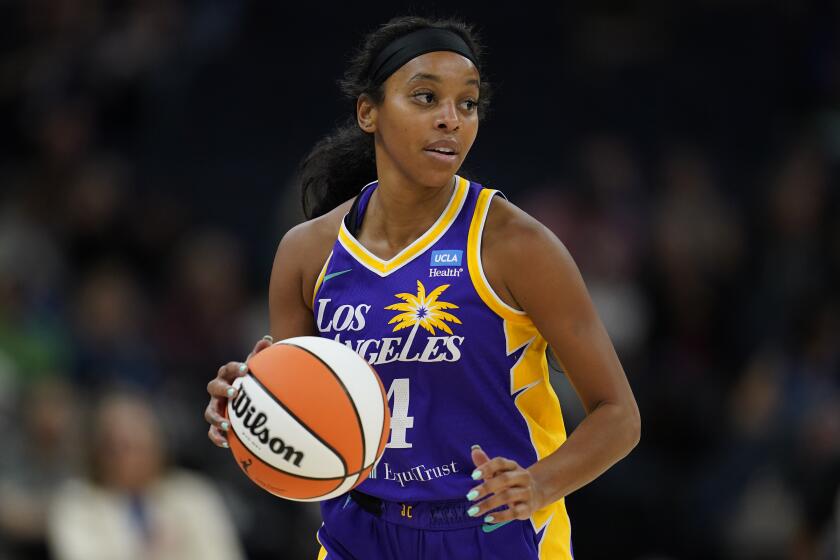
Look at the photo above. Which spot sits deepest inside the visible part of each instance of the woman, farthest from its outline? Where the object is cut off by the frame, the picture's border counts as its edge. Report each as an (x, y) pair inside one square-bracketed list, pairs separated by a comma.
[(455, 296), (134, 505)]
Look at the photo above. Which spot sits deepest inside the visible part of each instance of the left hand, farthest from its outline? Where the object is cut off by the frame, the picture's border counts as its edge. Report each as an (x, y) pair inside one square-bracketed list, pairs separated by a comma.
[(511, 485)]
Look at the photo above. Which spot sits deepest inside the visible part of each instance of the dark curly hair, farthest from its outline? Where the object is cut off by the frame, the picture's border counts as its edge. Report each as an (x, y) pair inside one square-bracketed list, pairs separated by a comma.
[(342, 162)]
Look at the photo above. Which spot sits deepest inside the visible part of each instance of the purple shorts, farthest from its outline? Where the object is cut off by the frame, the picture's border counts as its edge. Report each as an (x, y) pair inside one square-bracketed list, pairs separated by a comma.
[(360, 527)]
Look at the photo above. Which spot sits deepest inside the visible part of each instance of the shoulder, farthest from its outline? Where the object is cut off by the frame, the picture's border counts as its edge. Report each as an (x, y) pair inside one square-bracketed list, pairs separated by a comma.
[(516, 242), (186, 481), (76, 494), (510, 230), (316, 234), (523, 249), (74, 488), (304, 248), (515, 249), (75, 507), (187, 486)]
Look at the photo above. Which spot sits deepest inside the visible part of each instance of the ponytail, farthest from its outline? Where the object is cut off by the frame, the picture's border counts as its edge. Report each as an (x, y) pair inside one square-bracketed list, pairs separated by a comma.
[(337, 168)]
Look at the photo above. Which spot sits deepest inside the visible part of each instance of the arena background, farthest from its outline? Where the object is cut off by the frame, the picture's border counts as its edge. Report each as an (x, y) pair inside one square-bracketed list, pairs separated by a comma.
[(685, 152)]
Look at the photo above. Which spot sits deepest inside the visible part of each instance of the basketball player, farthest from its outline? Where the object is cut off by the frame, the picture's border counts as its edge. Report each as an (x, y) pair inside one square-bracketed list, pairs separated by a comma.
[(453, 295)]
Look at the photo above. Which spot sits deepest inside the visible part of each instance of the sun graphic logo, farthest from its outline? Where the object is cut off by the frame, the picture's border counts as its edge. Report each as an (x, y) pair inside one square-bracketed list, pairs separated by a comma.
[(423, 310)]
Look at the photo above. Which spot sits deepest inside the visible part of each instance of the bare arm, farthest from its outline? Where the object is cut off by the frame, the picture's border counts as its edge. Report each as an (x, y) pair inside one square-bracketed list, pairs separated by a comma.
[(562, 310), (544, 280), (290, 314)]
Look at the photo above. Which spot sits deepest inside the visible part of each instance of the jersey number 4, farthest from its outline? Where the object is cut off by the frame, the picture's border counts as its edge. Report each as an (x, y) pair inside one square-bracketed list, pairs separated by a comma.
[(400, 420)]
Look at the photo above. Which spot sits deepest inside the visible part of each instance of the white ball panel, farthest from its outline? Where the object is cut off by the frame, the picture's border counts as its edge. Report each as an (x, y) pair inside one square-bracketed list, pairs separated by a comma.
[(268, 431)]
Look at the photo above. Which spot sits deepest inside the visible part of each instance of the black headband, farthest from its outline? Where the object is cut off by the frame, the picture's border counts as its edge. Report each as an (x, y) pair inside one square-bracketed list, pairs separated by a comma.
[(403, 49)]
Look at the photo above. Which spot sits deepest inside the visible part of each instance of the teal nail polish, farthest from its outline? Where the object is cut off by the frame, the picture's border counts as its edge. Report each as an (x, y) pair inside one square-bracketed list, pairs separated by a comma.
[(472, 495), (489, 518), (242, 368), (472, 511), (225, 426), (475, 446), (225, 444), (476, 474), (230, 392)]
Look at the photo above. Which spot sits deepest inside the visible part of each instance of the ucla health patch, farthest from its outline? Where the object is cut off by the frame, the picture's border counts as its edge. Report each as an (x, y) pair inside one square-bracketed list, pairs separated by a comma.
[(446, 257)]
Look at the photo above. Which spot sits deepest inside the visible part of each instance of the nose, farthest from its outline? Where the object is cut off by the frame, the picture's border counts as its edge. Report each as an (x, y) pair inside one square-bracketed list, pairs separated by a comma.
[(448, 117)]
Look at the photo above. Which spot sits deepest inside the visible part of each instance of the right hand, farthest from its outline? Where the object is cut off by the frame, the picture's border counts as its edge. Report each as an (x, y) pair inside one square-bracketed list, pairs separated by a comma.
[(219, 395)]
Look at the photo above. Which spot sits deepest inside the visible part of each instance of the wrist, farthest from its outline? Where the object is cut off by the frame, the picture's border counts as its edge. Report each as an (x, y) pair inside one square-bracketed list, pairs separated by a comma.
[(541, 488)]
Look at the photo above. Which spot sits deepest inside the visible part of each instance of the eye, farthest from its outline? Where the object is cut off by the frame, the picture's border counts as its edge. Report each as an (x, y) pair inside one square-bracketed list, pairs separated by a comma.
[(471, 103), (424, 93)]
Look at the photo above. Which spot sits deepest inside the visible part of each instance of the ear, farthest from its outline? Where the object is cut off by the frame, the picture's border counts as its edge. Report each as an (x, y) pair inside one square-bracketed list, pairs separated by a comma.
[(366, 113)]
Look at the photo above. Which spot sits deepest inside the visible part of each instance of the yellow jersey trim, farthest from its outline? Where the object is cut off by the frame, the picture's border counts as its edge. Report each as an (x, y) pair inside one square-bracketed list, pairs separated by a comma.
[(320, 279), (479, 280), (418, 246), (322, 552), (539, 406)]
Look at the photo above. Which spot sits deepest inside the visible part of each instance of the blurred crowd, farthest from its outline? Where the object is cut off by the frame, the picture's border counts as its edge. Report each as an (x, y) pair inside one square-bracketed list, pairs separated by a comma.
[(123, 288)]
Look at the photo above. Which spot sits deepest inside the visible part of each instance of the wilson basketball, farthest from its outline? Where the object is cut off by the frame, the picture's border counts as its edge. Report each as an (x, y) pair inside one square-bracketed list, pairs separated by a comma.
[(309, 420)]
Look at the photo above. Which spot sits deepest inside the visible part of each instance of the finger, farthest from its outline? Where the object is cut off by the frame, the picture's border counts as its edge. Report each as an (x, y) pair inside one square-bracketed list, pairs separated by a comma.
[(261, 344), (212, 415), (519, 510), (505, 479), (231, 371), (221, 390), (496, 465), (479, 457), (507, 497), (216, 437), (221, 406), (221, 387)]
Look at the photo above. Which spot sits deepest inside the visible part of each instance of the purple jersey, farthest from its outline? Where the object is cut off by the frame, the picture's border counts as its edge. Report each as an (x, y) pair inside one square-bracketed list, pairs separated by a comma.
[(460, 366)]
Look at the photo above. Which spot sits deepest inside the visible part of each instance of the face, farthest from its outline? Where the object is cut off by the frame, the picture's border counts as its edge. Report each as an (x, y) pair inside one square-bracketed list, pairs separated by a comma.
[(129, 450), (431, 98)]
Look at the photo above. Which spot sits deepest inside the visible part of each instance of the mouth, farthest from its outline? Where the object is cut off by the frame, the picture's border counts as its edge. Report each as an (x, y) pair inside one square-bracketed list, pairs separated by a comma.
[(441, 156)]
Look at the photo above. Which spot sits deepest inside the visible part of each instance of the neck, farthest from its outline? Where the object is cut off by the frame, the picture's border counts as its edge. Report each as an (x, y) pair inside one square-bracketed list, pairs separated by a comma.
[(400, 212)]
